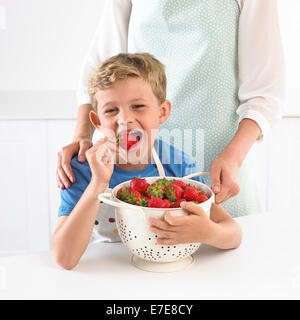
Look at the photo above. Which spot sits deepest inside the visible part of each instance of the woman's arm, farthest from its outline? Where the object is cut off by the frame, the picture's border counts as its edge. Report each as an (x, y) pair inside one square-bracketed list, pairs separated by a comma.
[(110, 39), (261, 91)]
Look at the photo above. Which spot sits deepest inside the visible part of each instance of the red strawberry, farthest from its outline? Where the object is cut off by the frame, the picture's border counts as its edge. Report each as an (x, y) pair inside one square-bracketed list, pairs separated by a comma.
[(173, 192), (126, 140), (143, 202), (176, 204), (180, 184), (123, 193), (201, 197), (156, 202), (190, 193), (139, 185), (167, 203), (155, 190), (133, 197)]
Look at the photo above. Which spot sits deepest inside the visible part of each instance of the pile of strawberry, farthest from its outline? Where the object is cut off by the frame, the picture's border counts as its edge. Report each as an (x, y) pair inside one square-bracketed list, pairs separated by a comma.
[(162, 193)]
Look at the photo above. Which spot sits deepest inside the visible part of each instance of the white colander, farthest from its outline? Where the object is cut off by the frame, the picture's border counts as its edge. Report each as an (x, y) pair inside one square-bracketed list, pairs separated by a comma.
[(133, 227)]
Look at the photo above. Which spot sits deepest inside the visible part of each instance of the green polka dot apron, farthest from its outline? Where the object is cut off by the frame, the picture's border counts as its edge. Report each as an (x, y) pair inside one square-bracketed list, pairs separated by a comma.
[(196, 40)]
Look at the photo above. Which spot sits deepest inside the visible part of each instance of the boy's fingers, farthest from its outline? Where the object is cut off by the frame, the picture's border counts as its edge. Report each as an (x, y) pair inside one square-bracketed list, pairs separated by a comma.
[(159, 223), (192, 207), (167, 241), (174, 220), (166, 234)]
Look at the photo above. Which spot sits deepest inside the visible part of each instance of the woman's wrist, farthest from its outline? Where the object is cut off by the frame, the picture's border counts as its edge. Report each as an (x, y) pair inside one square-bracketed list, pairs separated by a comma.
[(84, 128), (242, 142)]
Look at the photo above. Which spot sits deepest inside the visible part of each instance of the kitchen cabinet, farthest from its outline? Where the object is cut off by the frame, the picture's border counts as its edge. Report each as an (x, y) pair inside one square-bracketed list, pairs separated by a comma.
[(24, 222)]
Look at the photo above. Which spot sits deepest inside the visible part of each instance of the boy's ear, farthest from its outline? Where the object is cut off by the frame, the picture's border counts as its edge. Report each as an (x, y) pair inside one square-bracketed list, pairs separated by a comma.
[(165, 110), (95, 119)]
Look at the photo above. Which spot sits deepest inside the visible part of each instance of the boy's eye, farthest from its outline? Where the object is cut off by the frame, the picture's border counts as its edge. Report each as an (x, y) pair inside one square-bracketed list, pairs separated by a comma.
[(110, 110), (139, 106)]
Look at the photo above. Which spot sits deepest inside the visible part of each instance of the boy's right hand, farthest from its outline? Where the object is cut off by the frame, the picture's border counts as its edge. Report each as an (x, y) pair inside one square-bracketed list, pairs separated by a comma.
[(64, 173), (101, 158)]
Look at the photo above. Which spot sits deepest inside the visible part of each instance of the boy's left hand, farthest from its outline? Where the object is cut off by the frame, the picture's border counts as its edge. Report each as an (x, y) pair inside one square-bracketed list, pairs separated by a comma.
[(196, 227)]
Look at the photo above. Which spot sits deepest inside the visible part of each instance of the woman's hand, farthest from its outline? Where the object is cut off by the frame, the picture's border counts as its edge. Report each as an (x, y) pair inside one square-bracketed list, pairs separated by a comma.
[(196, 227), (64, 173), (224, 178)]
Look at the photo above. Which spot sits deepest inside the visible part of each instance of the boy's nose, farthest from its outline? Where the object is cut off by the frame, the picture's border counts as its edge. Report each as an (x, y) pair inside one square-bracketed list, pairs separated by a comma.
[(125, 118)]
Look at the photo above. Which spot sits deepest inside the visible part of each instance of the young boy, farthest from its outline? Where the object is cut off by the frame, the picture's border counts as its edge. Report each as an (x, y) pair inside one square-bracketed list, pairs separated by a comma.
[(128, 92)]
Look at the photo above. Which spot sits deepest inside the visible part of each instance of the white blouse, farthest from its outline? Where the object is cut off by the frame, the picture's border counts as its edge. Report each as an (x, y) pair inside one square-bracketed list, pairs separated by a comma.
[(260, 55)]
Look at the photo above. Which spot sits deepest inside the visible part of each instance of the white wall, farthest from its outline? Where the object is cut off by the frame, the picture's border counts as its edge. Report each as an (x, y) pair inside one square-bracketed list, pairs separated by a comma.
[(43, 42)]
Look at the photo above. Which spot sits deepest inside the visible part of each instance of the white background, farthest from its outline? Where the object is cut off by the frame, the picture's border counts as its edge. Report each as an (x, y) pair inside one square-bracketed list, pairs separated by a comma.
[(42, 46)]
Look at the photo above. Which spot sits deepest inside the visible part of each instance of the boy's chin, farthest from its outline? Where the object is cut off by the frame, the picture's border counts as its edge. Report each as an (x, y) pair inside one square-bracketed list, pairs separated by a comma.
[(132, 156)]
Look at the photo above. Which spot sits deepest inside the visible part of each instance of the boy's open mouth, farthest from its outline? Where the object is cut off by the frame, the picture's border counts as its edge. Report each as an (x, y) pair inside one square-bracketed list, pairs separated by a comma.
[(130, 139)]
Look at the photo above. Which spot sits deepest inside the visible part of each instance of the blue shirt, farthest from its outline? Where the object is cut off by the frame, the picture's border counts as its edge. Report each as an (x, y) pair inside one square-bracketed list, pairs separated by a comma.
[(175, 162)]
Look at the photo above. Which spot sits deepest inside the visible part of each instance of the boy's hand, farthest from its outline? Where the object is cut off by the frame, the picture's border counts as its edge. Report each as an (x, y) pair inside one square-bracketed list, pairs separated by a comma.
[(196, 227), (64, 173), (101, 158)]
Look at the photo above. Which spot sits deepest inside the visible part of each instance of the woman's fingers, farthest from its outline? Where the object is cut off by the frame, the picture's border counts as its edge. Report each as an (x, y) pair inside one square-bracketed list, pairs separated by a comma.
[(227, 191), (84, 145), (66, 157), (61, 177), (215, 172), (64, 170)]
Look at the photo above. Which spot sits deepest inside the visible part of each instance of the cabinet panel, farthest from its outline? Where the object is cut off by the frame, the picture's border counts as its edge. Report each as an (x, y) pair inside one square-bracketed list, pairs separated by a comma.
[(24, 220), (284, 173), (60, 133)]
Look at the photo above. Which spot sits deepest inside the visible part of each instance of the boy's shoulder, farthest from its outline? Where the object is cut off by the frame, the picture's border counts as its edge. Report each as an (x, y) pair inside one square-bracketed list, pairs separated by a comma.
[(82, 168)]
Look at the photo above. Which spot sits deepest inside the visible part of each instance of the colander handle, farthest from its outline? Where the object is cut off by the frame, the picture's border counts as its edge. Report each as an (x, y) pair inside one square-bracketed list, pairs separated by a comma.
[(106, 198), (196, 174)]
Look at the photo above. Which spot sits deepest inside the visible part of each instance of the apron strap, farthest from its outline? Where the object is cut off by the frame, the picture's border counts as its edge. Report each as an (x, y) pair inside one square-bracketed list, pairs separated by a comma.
[(158, 163)]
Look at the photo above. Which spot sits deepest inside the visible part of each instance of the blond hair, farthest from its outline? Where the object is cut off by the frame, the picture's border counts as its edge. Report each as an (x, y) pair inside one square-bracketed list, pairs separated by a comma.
[(124, 65)]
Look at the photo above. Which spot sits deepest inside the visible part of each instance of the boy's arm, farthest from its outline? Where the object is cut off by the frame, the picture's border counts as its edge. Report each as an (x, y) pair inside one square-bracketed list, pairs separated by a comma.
[(226, 232), (72, 233)]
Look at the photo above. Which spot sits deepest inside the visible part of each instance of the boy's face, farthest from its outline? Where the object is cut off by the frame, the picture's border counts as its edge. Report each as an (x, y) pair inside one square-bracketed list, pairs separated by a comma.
[(127, 105)]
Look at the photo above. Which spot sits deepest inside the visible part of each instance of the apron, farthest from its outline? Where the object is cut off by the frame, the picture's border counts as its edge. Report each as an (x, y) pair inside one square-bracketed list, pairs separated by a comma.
[(105, 228), (196, 40)]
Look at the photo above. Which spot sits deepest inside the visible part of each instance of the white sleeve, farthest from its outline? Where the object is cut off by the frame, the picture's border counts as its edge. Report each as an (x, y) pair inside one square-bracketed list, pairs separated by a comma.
[(110, 39), (261, 64)]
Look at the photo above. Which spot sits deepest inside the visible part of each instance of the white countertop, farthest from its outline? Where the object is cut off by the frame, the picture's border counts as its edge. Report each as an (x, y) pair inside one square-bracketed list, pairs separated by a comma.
[(265, 266)]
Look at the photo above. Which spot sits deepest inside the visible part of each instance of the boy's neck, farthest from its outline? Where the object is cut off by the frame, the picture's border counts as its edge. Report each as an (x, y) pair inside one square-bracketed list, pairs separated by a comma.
[(135, 167), (132, 167)]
